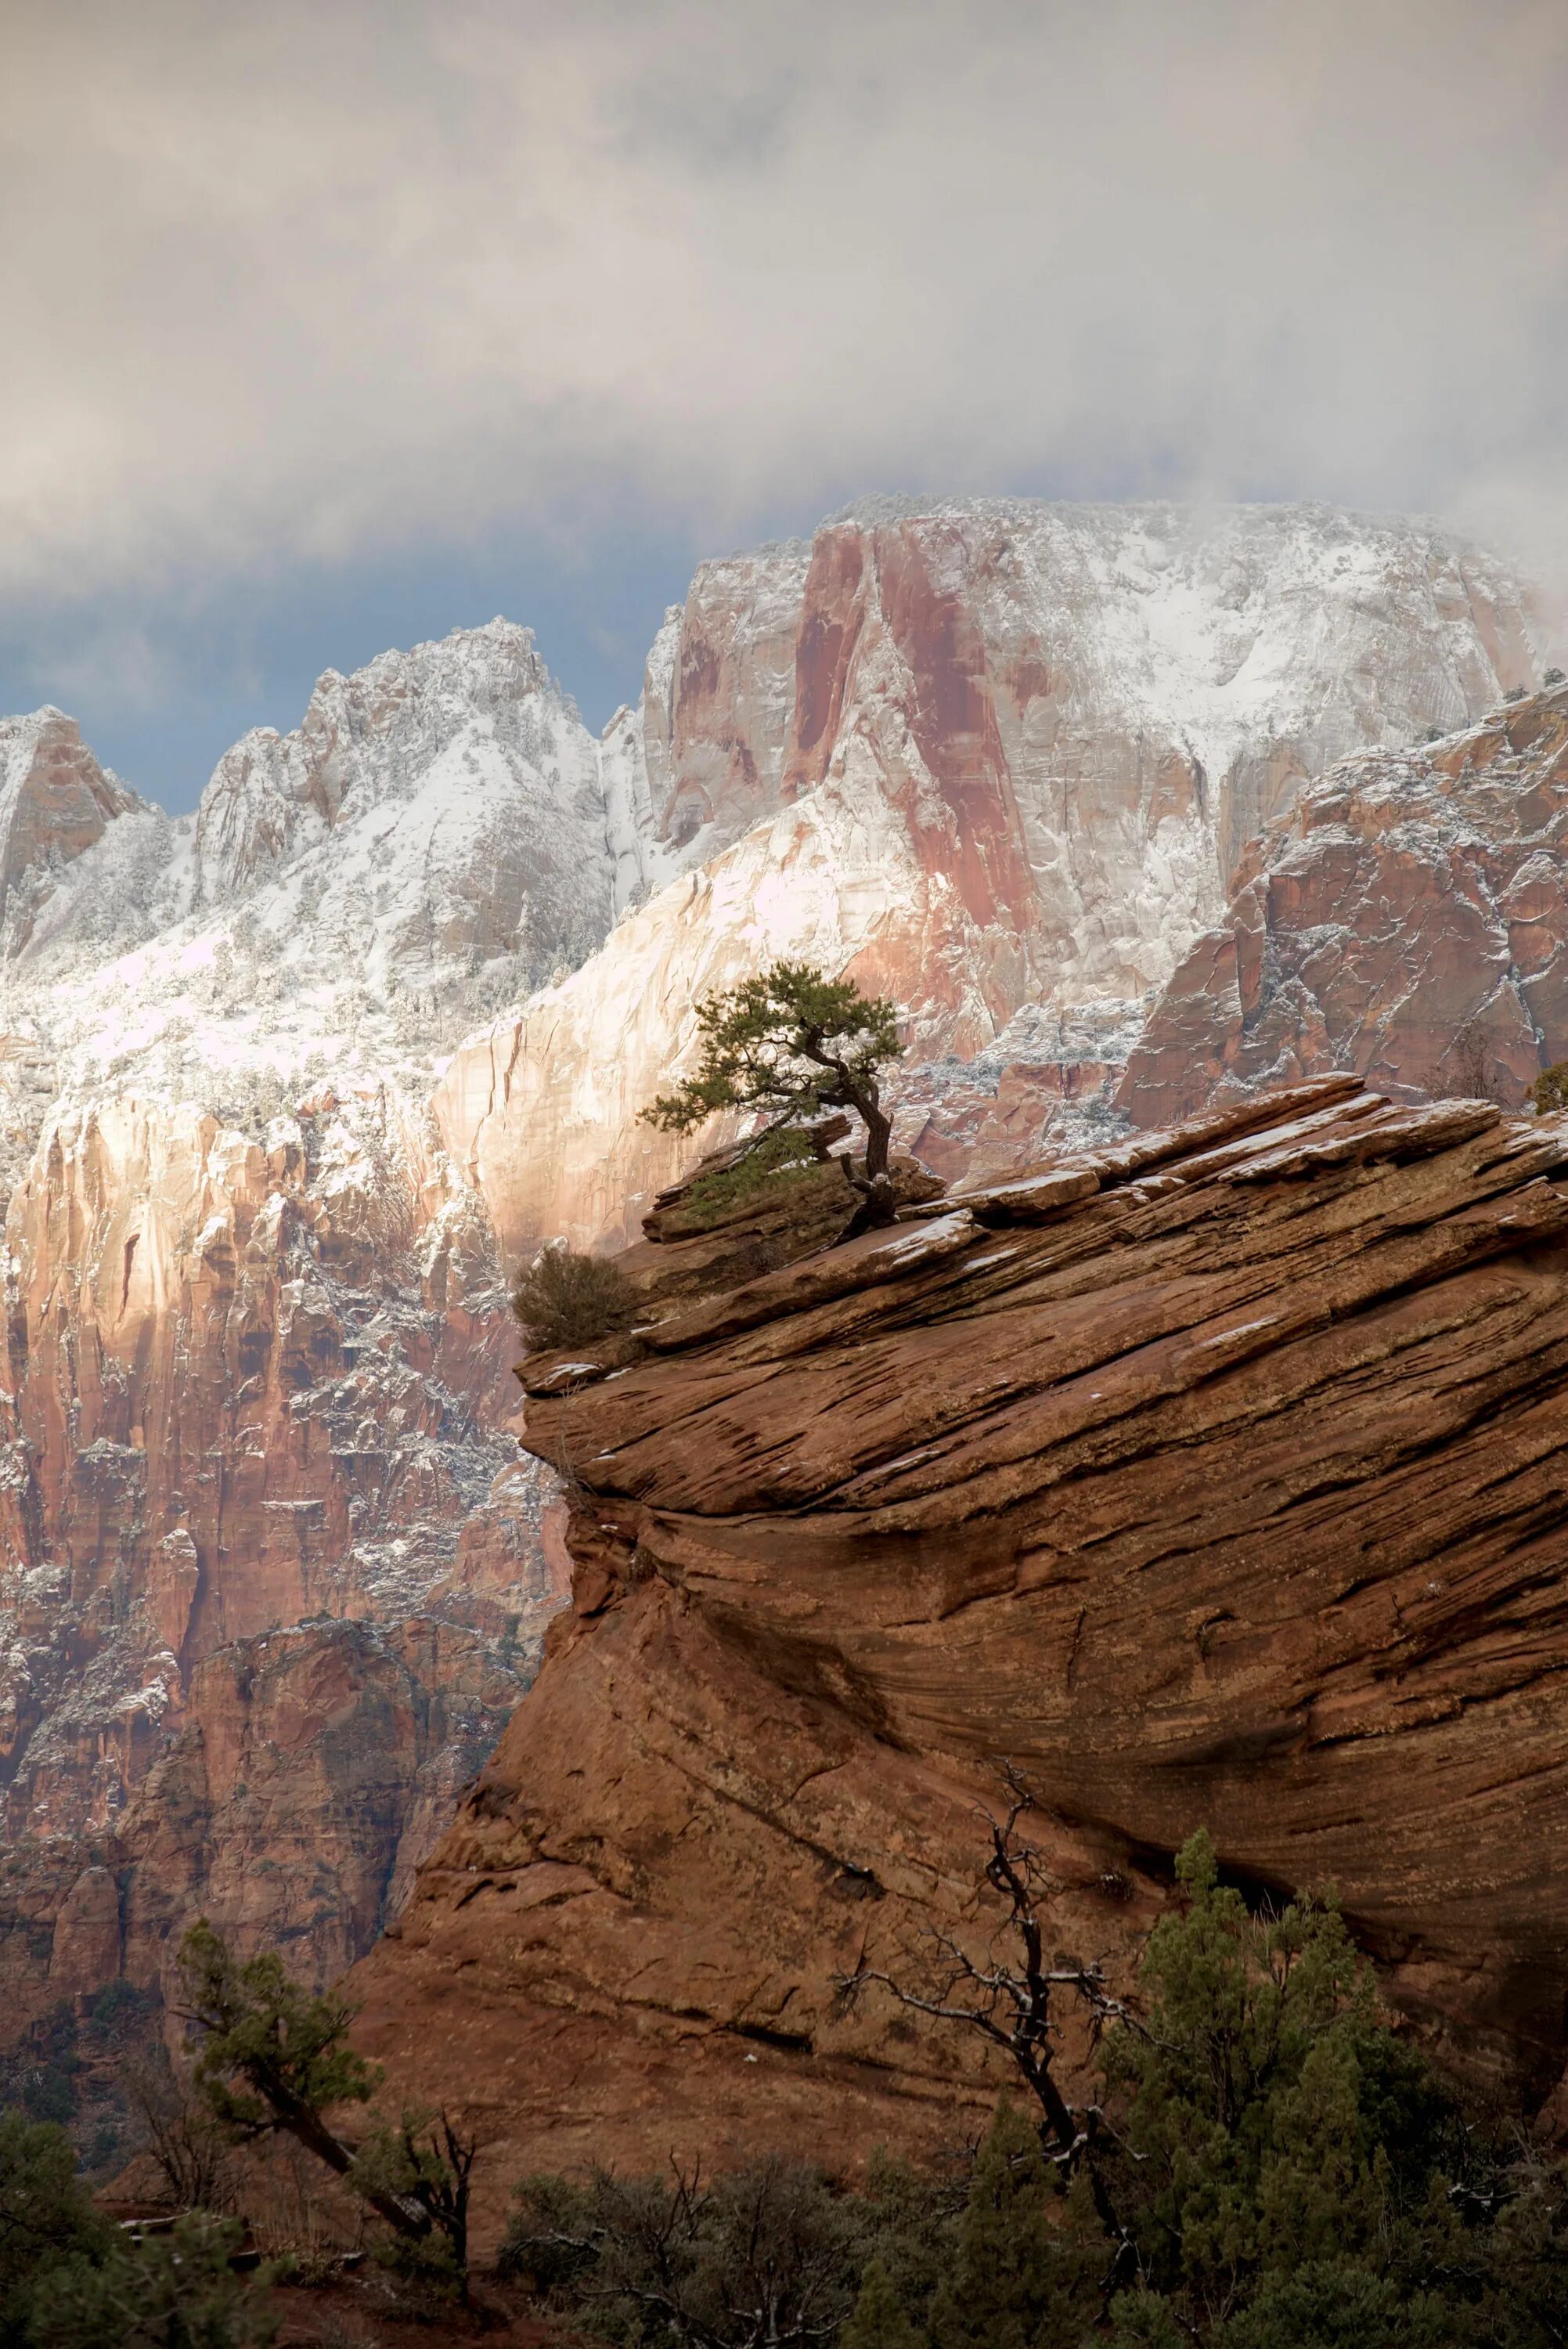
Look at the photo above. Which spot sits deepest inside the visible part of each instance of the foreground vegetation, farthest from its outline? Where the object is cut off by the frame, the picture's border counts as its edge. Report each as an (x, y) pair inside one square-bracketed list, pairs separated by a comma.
[(1267, 2166)]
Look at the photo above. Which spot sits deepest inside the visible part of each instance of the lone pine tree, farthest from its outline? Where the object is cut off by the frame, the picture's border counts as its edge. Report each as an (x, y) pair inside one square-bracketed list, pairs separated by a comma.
[(792, 1043)]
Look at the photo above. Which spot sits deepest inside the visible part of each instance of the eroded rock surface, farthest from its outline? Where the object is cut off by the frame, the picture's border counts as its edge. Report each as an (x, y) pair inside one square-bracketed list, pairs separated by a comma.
[(1406, 918), (306, 1773), (1217, 1476), (991, 757)]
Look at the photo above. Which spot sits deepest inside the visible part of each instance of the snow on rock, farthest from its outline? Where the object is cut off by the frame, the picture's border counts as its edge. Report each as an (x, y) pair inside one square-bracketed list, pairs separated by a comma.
[(1408, 918), (996, 759), (56, 801)]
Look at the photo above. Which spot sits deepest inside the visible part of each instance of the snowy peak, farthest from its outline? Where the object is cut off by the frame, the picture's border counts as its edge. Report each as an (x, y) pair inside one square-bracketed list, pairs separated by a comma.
[(438, 837), (1204, 634), (56, 801), (371, 737)]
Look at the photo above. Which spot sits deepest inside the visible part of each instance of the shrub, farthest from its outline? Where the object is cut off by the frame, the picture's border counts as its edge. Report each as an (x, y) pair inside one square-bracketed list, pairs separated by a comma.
[(45, 2216), (767, 2254), (1514, 693), (1553, 677), (173, 2292), (1549, 1090), (567, 1300)]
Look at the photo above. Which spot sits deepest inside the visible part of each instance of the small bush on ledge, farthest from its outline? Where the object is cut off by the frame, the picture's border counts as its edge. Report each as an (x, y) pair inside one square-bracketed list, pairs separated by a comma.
[(1549, 1090), (567, 1300)]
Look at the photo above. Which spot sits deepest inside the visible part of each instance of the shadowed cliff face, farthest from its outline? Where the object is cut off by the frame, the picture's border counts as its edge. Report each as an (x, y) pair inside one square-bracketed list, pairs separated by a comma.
[(1405, 919), (298, 1780), (1215, 1477)]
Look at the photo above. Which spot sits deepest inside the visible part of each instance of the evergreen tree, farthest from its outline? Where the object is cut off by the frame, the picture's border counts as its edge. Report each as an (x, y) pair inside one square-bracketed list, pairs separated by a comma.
[(1273, 2126), (175, 2292), (790, 1043), (46, 2217), (878, 2320), (1025, 2254)]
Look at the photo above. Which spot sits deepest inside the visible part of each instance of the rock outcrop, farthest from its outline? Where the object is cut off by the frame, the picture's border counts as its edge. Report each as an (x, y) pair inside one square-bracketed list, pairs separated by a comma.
[(1216, 1476), (1406, 918)]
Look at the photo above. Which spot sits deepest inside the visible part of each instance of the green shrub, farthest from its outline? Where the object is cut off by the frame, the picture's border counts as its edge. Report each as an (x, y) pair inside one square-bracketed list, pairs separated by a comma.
[(1514, 693), (1553, 677), (45, 2216), (172, 2291), (567, 1300), (1549, 1090)]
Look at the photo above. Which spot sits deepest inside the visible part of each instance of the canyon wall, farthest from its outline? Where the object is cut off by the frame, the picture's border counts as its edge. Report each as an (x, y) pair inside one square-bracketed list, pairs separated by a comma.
[(1405, 918)]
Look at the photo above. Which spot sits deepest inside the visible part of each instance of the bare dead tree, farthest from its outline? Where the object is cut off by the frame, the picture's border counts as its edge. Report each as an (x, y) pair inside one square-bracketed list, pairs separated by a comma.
[(195, 2155), (1007, 1998), (765, 2258)]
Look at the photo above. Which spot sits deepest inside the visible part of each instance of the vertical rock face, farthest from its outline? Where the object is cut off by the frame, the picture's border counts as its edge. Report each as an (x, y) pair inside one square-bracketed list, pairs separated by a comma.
[(256, 1350), (993, 757), (1408, 918)]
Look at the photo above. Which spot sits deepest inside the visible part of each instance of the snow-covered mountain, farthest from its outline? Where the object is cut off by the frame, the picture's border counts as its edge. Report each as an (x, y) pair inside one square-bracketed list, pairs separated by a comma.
[(997, 759), (286, 1087)]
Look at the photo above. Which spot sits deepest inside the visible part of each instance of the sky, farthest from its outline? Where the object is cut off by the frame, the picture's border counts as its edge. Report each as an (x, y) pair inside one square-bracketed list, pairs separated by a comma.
[(330, 326)]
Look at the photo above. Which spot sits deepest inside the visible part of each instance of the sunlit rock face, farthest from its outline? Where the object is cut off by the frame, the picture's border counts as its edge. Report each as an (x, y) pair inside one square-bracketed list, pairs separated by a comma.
[(994, 758), (257, 1351)]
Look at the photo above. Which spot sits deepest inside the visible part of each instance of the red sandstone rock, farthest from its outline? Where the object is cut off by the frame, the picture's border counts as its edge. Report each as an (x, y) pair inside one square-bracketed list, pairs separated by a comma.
[(985, 758), (1227, 1490), (84, 1950), (305, 1775)]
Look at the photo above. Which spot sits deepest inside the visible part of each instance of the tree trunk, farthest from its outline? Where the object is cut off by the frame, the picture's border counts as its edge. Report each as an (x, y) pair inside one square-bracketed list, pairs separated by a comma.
[(879, 1138)]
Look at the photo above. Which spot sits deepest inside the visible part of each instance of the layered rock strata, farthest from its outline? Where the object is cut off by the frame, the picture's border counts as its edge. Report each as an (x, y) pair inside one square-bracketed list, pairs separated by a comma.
[(993, 757), (1217, 1476)]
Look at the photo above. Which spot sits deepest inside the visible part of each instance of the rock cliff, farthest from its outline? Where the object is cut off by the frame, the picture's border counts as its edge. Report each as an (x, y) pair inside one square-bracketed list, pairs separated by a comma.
[(256, 1350), (1215, 1477), (1405, 918)]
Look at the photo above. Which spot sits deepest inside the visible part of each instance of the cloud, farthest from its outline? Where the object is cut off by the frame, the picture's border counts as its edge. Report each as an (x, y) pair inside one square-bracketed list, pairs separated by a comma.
[(300, 282)]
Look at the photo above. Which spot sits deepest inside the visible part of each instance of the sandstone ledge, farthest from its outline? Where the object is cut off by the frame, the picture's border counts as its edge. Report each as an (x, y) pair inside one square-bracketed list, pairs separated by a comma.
[(1230, 1489)]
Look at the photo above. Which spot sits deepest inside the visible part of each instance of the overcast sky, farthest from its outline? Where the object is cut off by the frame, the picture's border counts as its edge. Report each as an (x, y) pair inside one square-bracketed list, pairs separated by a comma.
[(326, 327)]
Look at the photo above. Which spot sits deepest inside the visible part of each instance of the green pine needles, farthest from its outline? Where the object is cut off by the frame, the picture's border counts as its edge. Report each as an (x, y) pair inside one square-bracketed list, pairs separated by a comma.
[(792, 1043)]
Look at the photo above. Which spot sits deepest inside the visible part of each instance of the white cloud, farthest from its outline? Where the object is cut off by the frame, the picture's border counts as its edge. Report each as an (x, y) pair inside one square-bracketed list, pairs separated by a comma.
[(313, 279)]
